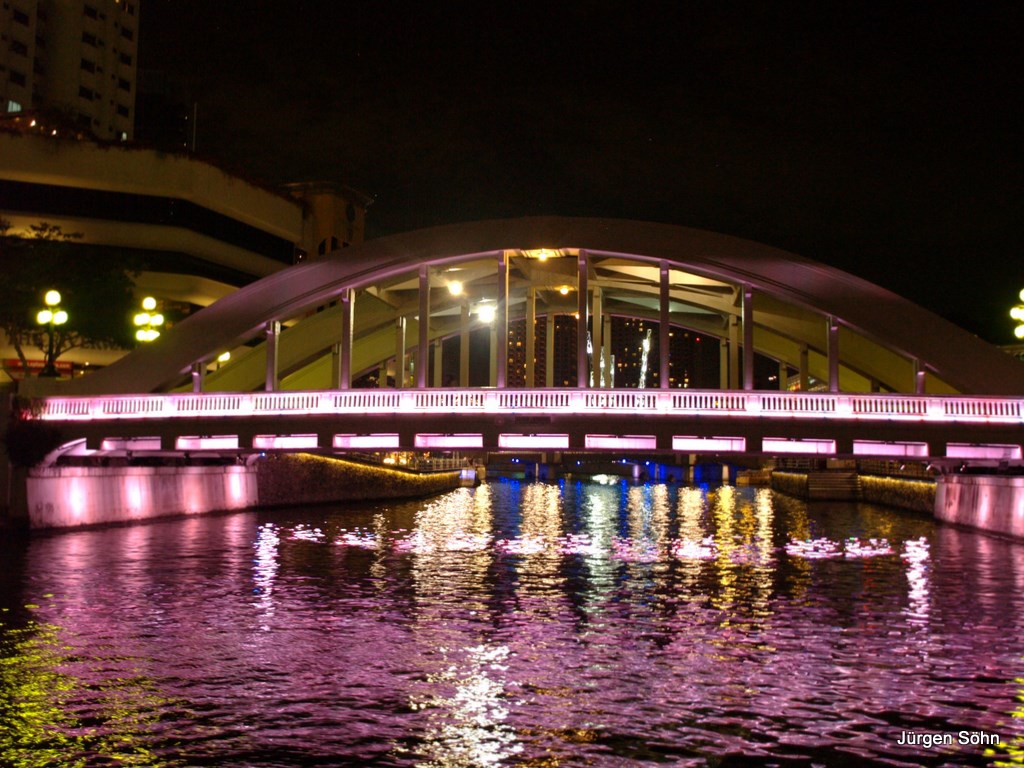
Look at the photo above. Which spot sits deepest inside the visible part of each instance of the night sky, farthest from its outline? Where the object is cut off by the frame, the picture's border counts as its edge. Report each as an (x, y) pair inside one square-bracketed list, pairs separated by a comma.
[(880, 138)]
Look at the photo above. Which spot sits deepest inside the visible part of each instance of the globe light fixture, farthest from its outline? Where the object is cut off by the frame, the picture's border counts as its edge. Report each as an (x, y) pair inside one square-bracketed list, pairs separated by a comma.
[(148, 321), (51, 317), (486, 312), (1017, 313)]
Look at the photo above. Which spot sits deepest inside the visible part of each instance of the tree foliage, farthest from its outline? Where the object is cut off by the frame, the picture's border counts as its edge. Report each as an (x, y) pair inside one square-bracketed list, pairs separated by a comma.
[(95, 284)]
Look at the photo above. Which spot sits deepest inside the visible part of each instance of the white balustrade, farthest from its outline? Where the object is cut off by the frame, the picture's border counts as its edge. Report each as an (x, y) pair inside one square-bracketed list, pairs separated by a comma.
[(554, 401)]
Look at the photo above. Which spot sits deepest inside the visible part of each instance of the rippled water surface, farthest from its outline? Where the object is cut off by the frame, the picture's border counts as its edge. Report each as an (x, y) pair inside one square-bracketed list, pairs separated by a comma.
[(516, 624)]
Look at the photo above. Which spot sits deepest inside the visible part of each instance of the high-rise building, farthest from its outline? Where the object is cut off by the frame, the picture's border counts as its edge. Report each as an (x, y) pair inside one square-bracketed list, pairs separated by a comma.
[(74, 58)]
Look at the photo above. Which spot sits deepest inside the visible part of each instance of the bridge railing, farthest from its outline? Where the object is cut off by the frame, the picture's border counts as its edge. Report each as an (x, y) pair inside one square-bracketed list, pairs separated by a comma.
[(819, 405)]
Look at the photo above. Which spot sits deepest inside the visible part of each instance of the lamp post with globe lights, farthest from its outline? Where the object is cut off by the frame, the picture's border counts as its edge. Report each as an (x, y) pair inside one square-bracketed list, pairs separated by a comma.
[(50, 318), (1017, 313), (148, 321)]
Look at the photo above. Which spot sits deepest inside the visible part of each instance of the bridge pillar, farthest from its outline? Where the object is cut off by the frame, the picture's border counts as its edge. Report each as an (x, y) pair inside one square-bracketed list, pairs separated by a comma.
[(501, 324), (596, 337), (549, 349), (833, 355), (531, 332), (199, 376), (273, 331), (609, 360), (423, 344), (805, 373), (664, 322), (464, 346), (342, 368), (920, 377), (582, 291), (748, 337), (734, 352), (438, 357), (400, 327)]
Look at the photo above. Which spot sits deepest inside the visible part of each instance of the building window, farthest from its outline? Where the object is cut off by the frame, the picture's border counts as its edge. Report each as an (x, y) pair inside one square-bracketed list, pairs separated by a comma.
[(19, 48), (13, 106), (20, 16), (124, 85), (131, 9), (127, 34), (40, 42), (89, 39), (122, 110), (84, 92), (88, 66), (126, 59), (16, 77), (90, 12)]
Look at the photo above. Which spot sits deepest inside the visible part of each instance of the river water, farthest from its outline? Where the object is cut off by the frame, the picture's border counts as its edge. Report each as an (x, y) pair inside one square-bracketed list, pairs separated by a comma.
[(572, 624)]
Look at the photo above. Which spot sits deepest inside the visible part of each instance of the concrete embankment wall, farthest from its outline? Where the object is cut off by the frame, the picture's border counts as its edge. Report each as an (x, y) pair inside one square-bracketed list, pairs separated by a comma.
[(287, 479), (990, 502), (64, 497), (902, 493)]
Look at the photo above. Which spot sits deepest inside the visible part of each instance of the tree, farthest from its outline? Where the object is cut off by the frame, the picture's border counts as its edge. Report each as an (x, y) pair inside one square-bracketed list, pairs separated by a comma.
[(95, 284)]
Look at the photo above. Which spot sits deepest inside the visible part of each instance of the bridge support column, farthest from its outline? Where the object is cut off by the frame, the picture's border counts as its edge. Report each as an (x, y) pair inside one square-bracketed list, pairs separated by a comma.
[(609, 360), (596, 337), (464, 347), (920, 378), (805, 374), (273, 331), (199, 376), (582, 291), (723, 363), (531, 337), (400, 353), (438, 357), (664, 327), (833, 355), (341, 370), (501, 324), (734, 352), (748, 338), (423, 346), (783, 376), (549, 349)]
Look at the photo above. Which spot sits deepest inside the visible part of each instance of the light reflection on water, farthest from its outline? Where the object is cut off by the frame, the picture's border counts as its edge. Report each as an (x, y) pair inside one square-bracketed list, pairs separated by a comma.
[(511, 624)]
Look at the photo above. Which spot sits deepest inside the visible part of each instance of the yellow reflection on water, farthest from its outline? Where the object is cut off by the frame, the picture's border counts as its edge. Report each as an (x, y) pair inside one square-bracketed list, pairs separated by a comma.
[(37, 690)]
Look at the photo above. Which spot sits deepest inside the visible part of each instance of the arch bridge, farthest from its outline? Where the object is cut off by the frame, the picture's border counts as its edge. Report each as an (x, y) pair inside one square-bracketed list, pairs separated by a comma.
[(557, 334)]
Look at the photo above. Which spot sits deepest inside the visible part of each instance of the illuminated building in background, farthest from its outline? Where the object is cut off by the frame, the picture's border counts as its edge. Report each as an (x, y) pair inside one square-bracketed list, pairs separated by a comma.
[(74, 58)]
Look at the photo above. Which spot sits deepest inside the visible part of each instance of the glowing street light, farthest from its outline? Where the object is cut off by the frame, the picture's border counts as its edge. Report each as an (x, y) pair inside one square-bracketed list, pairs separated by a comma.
[(51, 317), (1017, 313), (486, 313), (148, 320)]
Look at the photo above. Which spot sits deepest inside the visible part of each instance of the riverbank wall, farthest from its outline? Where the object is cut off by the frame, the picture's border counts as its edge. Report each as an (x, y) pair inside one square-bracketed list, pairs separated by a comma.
[(901, 493), (991, 502), (76, 496)]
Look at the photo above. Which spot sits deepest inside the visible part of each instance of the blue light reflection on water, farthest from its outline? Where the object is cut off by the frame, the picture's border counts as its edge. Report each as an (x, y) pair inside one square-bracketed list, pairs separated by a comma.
[(576, 623)]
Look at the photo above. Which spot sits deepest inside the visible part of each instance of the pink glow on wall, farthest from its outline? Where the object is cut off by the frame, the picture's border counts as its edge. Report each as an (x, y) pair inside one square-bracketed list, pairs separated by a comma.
[(131, 444), (285, 441), (625, 442), (692, 444), (783, 445), (879, 448), (982, 451), (430, 440), (367, 441), (212, 443), (539, 442)]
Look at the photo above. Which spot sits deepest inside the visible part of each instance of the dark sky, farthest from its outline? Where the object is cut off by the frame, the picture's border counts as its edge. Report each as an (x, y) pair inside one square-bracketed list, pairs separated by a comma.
[(881, 138)]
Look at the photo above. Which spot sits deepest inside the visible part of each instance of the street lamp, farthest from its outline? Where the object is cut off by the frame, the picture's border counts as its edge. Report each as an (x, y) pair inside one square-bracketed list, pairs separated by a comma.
[(148, 320), (1017, 313), (51, 317)]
